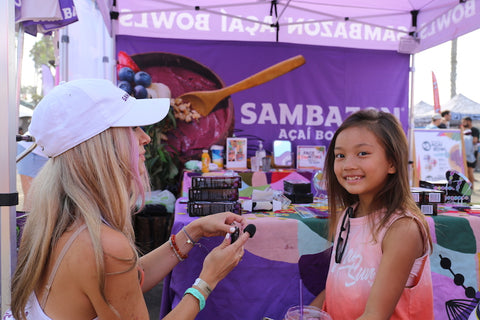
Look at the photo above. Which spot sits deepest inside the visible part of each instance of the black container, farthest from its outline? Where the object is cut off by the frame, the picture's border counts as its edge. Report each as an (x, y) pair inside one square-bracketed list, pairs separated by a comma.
[(216, 182), (212, 194), (205, 208), (299, 197), (152, 227), (294, 186)]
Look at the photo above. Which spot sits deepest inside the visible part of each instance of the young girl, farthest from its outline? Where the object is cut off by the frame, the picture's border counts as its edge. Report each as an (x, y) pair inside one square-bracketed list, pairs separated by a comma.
[(77, 258), (380, 266)]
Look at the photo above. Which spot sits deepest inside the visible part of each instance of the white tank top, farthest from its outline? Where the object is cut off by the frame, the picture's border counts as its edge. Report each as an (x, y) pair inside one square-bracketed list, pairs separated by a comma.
[(33, 309)]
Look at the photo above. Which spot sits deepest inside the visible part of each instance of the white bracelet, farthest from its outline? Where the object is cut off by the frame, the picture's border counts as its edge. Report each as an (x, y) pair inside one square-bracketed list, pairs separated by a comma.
[(203, 286)]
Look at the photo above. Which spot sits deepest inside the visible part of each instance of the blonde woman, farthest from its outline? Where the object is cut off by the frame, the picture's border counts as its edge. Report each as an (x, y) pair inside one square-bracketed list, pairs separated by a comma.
[(77, 258)]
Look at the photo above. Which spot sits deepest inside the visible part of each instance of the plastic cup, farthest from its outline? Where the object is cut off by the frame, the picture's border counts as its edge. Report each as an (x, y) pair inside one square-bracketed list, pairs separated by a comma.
[(309, 313), (217, 155)]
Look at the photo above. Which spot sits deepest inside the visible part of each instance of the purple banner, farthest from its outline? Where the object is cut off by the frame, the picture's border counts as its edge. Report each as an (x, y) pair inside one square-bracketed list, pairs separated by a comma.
[(304, 106)]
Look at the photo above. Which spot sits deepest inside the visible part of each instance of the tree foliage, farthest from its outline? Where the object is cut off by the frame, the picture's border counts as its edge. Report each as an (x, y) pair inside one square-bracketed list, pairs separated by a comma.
[(42, 52), (31, 92)]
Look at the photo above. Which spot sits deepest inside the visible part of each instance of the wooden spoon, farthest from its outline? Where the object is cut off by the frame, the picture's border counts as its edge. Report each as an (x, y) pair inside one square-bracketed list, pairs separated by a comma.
[(204, 101)]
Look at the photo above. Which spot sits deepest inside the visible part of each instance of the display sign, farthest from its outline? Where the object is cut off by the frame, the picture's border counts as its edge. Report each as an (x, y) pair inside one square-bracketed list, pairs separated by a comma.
[(310, 157), (237, 153), (437, 151), (305, 106)]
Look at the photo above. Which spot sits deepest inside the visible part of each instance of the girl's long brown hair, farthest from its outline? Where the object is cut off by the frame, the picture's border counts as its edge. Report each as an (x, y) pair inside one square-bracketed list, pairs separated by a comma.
[(395, 196)]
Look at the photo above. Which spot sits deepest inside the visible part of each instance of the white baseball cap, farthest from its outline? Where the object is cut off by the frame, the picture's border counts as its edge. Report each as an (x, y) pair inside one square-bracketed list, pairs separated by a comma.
[(75, 111)]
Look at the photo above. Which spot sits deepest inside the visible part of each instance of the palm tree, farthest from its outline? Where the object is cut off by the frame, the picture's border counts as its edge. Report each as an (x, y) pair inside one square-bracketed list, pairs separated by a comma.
[(453, 71)]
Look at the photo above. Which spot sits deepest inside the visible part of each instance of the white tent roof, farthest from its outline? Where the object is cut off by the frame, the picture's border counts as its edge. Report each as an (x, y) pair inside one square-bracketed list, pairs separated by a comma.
[(422, 114), (422, 108), (24, 112), (463, 105)]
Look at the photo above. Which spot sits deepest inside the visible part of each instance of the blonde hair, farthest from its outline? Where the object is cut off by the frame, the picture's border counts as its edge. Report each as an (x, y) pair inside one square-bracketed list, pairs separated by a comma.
[(96, 182)]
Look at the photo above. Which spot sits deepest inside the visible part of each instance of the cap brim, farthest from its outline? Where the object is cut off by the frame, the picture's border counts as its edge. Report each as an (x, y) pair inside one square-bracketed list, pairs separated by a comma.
[(144, 112)]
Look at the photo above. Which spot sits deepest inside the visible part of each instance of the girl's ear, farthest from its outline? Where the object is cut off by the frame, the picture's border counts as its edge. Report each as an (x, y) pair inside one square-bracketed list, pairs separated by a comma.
[(391, 168)]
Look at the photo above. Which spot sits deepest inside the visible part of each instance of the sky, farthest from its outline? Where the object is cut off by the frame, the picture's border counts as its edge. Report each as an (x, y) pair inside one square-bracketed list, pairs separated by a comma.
[(437, 59), (29, 78)]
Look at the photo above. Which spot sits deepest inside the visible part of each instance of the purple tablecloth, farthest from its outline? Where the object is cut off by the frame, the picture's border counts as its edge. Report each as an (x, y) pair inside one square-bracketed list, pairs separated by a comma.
[(267, 280)]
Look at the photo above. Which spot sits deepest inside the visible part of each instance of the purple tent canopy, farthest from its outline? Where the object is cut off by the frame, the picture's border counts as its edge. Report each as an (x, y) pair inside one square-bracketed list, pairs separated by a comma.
[(44, 16), (406, 25)]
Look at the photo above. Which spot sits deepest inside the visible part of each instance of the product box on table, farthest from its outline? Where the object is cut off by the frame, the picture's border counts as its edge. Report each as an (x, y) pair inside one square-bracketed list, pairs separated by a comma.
[(299, 197), (427, 195), (213, 194), (429, 209), (417, 194), (216, 182), (297, 186), (205, 208)]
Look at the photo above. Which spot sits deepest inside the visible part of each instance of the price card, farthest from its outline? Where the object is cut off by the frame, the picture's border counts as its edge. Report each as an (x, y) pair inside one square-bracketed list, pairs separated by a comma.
[(310, 157)]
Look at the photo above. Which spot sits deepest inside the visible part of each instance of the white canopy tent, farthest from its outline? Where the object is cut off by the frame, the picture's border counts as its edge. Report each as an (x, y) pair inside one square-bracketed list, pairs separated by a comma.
[(407, 26), (461, 106), (422, 114)]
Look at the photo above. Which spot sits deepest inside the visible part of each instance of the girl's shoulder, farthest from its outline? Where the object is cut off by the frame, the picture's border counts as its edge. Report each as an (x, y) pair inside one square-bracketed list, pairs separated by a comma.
[(408, 225), (115, 242), (115, 246)]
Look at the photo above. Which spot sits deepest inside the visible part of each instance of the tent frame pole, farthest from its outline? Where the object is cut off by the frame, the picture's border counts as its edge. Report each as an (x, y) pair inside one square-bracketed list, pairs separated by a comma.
[(8, 129), (411, 125)]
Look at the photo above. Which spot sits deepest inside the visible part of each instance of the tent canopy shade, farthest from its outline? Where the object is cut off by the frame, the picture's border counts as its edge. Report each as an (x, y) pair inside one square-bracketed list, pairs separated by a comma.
[(412, 26)]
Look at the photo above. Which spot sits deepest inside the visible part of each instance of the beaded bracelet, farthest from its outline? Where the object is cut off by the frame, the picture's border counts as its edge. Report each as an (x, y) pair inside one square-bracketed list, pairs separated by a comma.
[(201, 299), (190, 239), (176, 250)]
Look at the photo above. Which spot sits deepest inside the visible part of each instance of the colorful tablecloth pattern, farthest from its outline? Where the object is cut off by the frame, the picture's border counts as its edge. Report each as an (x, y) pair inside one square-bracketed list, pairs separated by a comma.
[(288, 251)]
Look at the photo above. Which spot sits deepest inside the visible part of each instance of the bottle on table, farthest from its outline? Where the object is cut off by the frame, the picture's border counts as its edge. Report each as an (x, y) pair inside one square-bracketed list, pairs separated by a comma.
[(260, 154), (205, 161)]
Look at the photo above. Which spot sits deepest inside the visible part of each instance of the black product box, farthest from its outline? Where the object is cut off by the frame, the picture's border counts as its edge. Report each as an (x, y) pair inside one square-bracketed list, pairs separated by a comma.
[(199, 208), (427, 196), (433, 196), (299, 197), (216, 182), (428, 209), (417, 194), (213, 194), (297, 186)]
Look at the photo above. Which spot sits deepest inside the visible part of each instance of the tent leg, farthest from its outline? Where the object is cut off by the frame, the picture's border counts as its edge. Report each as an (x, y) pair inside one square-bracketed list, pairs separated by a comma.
[(63, 53), (20, 46), (8, 129), (411, 126)]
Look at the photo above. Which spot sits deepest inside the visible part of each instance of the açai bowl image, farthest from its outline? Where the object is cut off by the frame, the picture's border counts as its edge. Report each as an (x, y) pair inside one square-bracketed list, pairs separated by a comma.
[(173, 75)]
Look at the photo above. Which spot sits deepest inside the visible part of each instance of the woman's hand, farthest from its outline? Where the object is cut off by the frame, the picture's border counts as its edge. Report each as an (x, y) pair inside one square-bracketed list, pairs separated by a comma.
[(213, 225), (221, 260)]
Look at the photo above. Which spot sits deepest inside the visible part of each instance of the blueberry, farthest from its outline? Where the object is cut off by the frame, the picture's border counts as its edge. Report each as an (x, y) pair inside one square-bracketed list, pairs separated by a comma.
[(126, 74), (125, 86), (140, 92), (143, 78)]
